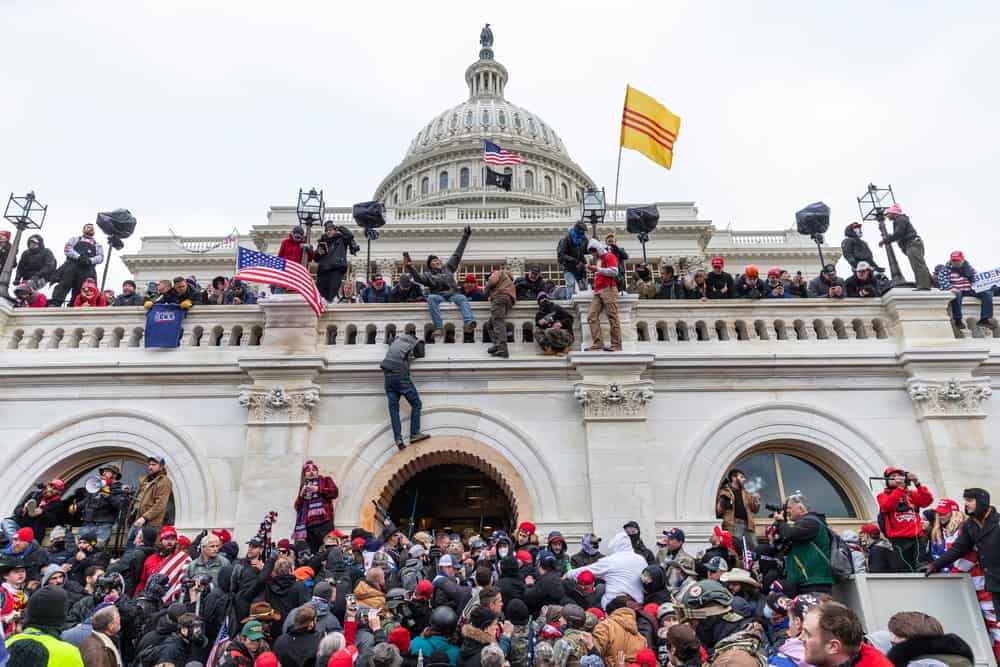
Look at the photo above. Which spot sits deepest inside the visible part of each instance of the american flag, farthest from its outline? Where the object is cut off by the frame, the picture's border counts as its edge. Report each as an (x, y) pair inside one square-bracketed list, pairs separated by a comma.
[(174, 567), (220, 641), (493, 154), (258, 267)]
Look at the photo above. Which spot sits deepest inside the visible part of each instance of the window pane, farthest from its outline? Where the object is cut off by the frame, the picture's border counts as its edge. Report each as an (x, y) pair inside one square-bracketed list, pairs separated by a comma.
[(762, 479), (464, 177), (443, 181), (823, 493)]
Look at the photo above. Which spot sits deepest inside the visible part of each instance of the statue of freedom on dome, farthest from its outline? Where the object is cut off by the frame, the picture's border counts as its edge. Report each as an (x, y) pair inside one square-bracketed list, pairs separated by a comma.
[(486, 37)]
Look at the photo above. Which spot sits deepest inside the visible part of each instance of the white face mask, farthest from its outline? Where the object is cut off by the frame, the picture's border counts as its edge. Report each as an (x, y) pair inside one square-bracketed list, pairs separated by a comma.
[(503, 551)]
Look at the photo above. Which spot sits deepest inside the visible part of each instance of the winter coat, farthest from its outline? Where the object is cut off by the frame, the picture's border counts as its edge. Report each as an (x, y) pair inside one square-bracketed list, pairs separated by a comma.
[(903, 232), (820, 286), (98, 652), (328, 491), (942, 651), (175, 651), (297, 648), (528, 289), (34, 300), (944, 275), (245, 296), (372, 294), (693, 290), (34, 559), (881, 557), (725, 507), (501, 284), (654, 586), (670, 289), (899, 510), (37, 264), (434, 643), (331, 253), (808, 560), (284, 593), (557, 313), (618, 633), (369, 596), (326, 622), (449, 592), (96, 300), (84, 250), (573, 593), (984, 537), (518, 656), (410, 294), (855, 250), (747, 290), (869, 656), (130, 566), (151, 497), (583, 559), (200, 567), (572, 254), (473, 642), (403, 349), (292, 250), (620, 570), (442, 281), (511, 585), (854, 287), (547, 590), (720, 286), (474, 295), (124, 300), (53, 513)]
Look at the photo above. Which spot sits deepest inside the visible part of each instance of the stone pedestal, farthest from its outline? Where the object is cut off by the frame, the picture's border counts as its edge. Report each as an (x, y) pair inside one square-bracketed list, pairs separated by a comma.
[(626, 305)]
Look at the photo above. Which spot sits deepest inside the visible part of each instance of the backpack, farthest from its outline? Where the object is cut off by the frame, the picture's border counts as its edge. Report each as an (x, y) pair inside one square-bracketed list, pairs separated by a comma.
[(410, 576), (840, 560)]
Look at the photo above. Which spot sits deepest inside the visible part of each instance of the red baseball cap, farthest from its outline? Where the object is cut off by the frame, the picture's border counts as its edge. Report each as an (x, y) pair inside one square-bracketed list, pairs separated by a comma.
[(773, 272), (946, 505), (183, 541), (424, 590), (223, 535), (718, 261), (527, 527), (25, 535), (167, 531), (58, 484), (357, 544), (958, 256), (523, 556), (597, 612), (585, 578)]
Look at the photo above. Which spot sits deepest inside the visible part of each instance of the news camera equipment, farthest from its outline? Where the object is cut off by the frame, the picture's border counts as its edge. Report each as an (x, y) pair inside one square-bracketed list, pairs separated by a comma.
[(813, 221), (641, 221), (107, 583), (873, 204), (118, 225), (369, 215)]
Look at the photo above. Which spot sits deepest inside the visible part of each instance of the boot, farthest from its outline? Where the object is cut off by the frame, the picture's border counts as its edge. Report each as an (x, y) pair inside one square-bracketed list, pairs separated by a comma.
[(417, 437), (400, 445), (502, 352)]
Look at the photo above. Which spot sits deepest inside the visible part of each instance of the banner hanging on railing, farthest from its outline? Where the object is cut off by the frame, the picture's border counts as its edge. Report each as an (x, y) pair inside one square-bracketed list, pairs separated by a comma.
[(163, 325)]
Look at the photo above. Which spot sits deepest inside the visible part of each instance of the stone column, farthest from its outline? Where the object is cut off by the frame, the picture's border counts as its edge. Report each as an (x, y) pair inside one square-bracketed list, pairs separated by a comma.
[(613, 399)]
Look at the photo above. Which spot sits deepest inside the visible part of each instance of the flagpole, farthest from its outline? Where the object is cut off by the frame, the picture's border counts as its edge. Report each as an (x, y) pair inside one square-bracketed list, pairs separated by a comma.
[(618, 173), (482, 182)]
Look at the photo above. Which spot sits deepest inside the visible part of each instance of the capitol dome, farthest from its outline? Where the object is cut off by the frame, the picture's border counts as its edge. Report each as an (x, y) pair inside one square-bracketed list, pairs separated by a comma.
[(444, 163)]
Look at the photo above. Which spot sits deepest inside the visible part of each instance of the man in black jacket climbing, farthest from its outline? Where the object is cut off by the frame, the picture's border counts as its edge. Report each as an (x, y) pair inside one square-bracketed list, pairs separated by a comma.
[(396, 369)]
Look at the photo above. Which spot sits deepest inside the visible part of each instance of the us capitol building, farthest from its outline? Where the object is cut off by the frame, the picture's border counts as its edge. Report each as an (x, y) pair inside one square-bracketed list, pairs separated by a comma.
[(802, 394)]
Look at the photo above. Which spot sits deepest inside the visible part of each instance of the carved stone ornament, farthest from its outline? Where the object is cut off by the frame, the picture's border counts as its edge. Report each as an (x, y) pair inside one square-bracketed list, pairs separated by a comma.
[(951, 398), (614, 402), (275, 405)]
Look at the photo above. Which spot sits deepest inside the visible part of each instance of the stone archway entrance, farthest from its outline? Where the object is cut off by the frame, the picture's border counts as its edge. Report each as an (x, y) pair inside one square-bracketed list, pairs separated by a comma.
[(459, 463)]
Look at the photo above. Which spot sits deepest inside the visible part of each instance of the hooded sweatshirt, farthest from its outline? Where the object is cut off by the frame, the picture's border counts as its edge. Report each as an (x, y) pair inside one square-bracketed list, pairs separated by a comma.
[(620, 569), (855, 250), (35, 263), (95, 298)]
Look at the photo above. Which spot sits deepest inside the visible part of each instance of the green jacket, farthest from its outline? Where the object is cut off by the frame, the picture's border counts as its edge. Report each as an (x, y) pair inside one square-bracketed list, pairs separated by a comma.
[(61, 654), (808, 559)]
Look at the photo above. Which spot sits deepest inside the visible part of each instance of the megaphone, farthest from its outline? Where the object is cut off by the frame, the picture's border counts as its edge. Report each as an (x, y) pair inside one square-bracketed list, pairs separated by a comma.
[(93, 484)]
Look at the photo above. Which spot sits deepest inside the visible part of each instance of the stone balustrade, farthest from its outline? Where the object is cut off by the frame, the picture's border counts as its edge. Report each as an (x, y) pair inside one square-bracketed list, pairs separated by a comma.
[(648, 325)]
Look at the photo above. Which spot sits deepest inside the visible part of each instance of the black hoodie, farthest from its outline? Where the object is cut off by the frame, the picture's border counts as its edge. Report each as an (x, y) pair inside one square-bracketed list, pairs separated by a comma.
[(36, 263), (855, 250), (981, 531), (637, 545), (654, 585)]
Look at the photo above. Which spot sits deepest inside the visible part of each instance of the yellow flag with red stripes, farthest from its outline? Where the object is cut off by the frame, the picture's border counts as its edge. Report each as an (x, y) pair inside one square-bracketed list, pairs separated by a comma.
[(649, 127)]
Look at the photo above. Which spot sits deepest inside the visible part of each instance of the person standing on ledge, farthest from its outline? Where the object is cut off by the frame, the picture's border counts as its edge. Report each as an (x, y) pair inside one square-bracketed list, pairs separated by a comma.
[(439, 279), (396, 368), (909, 242), (501, 292), (605, 298)]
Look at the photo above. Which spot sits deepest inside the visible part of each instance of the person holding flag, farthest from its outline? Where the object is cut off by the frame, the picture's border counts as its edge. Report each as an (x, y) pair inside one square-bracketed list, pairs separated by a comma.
[(258, 267)]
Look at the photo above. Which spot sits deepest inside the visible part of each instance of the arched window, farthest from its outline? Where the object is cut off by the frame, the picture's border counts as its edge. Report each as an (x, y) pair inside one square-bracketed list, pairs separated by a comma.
[(529, 180), (395, 197), (425, 185), (517, 121), (463, 177), (564, 190), (776, 473), (531, 126), (443, 181), (468, 118), (548, 185), (502, 118), (486, 117), (409, 192)]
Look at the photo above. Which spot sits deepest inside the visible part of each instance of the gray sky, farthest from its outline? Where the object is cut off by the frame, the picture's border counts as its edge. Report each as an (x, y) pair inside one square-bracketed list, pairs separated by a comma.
[(199, 115)]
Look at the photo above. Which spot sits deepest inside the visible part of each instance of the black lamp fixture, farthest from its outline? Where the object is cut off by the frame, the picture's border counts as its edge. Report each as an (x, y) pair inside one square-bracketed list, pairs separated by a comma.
[(309, 210), (24, 212), (594, 208), (873, 205)]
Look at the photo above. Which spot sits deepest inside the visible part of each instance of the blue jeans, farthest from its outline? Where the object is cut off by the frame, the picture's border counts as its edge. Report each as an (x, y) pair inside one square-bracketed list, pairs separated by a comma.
[(570, 278), (434, 303), (396, 386), (986, 298)]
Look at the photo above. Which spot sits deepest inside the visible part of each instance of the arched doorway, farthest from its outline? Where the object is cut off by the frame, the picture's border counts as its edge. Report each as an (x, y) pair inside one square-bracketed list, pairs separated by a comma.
[(481, 483), (454, 498)]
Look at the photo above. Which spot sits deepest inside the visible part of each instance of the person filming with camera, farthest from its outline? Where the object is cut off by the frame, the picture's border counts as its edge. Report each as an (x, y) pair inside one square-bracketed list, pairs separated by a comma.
[(806, 544), (899, 516)]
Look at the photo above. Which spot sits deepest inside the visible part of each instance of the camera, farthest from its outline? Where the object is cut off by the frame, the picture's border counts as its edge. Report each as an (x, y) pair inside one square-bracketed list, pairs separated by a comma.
[(110, 582)]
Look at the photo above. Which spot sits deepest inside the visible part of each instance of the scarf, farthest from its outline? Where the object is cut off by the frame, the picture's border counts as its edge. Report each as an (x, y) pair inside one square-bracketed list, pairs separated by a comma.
[(310, 512)]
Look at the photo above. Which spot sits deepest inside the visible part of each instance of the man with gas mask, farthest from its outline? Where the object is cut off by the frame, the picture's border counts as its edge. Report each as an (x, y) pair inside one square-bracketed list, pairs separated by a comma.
[(83, 253), (707, 607)]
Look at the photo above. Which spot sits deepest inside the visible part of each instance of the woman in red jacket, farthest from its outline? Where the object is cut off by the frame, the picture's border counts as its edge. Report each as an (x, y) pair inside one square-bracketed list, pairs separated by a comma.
[(899, 516), (314, 507), (89, 295)]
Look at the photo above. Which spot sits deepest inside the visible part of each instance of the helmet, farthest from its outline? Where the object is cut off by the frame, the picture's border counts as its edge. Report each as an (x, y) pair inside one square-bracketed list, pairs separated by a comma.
[(703, 599), (500, 536), (444, 620), (380, 559), (477, 543), (395, 597), (298, 231)]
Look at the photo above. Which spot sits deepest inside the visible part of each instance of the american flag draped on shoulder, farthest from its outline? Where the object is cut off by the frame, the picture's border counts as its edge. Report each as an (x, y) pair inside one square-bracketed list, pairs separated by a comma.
[(258, 267)]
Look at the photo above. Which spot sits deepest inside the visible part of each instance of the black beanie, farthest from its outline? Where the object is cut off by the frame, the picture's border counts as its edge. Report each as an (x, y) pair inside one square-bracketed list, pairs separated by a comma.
[(517, 612), (149, 535), (46, 608), (429, 258), (481, 617), (616, 603)]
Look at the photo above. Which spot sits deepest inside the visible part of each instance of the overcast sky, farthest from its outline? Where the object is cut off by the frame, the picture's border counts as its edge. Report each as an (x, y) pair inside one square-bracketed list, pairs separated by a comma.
[(199, 115)]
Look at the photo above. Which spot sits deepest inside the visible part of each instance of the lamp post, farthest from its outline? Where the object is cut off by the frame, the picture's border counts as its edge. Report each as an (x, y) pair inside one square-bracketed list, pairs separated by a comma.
[(873, 204), (594, 208), (24, 212), (309, 211)]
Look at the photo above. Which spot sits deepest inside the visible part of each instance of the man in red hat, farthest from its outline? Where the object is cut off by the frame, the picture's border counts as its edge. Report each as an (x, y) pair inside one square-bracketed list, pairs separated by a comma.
[(899, 516), (719, 282), (166, 546), (957, 277)]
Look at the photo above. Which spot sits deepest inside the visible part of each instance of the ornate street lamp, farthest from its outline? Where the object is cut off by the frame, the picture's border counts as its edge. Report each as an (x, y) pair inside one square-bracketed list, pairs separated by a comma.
[(594, 208), (24, 212), (873, 205), (309, 211)]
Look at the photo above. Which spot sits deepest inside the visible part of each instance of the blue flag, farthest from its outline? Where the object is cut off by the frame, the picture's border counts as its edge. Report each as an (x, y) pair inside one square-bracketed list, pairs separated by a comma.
[(163, 325)]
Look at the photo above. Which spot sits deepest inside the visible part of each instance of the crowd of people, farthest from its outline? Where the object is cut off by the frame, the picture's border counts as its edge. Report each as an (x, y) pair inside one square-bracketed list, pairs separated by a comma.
[(585, 263), (518, 599)]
